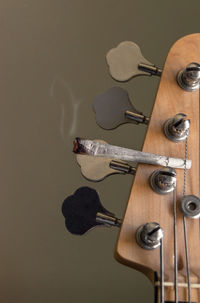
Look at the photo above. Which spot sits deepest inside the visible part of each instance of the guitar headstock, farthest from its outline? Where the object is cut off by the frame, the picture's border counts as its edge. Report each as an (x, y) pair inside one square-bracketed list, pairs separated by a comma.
[(145, 205), (159, 234)]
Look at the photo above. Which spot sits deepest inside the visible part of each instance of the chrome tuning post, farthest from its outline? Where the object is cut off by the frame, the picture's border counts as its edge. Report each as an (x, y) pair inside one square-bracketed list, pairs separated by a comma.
[(189, 77), (126, 61), (177, 128), (98, 168), (190, 206), (163, 181), (83, 211), (149, 235), (114, 108)]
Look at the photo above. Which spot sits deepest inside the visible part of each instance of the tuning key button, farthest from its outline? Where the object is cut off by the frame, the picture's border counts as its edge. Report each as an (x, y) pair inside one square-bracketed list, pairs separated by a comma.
[(114, 108), (163, 181), (177, 128), (189, 77), (98, 168), (83, 211), (190, 206), (126, 61), (149, 235)]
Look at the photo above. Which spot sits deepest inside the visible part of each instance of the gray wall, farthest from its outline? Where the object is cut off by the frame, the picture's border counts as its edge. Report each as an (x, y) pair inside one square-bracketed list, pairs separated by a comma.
[(52, 65)]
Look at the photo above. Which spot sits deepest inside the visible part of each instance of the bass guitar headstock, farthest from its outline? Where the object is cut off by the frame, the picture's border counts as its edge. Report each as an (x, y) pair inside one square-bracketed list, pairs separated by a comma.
[(159, 234), (181, 241)]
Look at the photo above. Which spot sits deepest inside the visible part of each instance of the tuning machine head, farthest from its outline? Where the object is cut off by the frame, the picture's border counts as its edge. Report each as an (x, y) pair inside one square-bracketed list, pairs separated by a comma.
[(189, 77), (149, 235), (126, 61), (83, 211), (114, 108), (98, 168), (163, 181), (177, 128)]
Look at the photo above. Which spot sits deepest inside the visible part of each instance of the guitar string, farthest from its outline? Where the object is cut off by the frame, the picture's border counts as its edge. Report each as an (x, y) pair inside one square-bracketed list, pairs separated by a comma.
[(185, 228), (162, 289), (175, 250), (187, 259), (199, 160), (184, 219)]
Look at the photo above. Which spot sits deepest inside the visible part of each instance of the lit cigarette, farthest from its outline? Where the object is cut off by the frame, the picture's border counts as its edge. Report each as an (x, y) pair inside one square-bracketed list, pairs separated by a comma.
[(97, 149)]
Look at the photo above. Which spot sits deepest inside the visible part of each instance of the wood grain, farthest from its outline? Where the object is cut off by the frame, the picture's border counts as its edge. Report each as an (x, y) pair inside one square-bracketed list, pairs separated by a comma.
[(145, 205)]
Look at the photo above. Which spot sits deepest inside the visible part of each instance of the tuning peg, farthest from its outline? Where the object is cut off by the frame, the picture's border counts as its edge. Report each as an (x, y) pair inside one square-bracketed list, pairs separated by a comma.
[(126, 61), (98, 168), (83, 210), (114, 108), (149, 235), (189, 77), (177, 128)]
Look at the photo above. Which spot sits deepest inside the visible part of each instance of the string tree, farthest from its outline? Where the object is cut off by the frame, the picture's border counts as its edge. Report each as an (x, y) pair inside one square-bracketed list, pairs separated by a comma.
[(83, 211), (126, 61), (190, 206), (113, 108)]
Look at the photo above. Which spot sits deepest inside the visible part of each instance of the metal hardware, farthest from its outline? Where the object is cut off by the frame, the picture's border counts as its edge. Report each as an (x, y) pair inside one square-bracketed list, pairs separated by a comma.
[(162, 272), (123, 167), (189, 77), (113, 108), (92, 148), (177, 128), (148, 236), (108, 220), (163, 181), (126, 61), (190, 206), (138, 118), (83, 211), (187, 258), (151, 69)]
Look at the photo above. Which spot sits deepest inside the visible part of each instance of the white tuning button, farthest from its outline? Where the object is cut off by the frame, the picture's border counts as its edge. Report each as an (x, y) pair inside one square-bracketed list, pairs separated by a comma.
[(98, 168), (126, 61)]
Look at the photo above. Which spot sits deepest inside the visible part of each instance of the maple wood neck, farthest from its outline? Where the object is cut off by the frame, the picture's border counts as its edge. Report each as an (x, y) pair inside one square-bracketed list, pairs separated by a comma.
[(145, 205)]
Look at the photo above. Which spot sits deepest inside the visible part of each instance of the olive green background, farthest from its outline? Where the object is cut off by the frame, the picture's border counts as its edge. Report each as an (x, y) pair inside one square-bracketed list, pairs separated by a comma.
[(52, 65)]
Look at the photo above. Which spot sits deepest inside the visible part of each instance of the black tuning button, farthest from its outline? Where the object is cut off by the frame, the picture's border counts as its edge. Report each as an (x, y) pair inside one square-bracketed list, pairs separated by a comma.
[(83, 211), (114, 108)]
